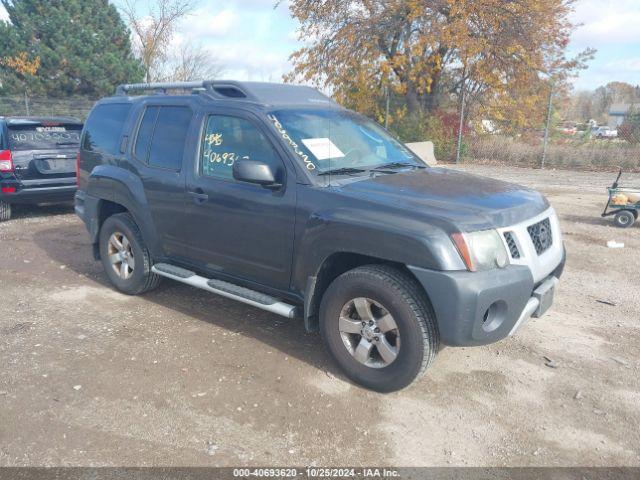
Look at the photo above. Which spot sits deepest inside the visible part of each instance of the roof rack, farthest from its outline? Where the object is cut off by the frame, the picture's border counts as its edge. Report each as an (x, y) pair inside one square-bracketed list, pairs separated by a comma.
[(220, 89), (257, 92)]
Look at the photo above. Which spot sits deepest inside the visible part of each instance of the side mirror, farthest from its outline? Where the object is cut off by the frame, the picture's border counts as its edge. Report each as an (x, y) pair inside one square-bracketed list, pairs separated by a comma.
[(252, 171)]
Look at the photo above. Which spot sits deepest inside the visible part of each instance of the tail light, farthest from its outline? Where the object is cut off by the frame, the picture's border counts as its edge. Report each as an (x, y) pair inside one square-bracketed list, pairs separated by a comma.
[(78, 170), (6, 161)]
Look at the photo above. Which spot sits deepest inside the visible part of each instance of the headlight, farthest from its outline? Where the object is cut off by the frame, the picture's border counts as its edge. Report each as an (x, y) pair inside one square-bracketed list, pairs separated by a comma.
[(481, 250)]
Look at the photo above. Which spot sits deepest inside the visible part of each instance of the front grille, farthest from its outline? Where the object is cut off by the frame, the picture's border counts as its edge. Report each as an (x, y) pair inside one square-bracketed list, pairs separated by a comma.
[(541, 236), (513, 246)]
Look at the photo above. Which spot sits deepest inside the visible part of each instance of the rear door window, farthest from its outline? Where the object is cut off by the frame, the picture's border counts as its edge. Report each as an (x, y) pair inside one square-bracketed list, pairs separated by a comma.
[(162, 135), (145, 132), (44, 136), (104, 128)]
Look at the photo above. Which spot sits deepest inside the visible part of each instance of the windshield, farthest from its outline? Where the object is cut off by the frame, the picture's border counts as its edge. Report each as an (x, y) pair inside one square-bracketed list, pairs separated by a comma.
[(340, 141), (40, 137)]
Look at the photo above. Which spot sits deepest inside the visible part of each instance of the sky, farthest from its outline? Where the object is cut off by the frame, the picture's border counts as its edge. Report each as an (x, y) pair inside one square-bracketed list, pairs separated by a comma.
[(252, 40)]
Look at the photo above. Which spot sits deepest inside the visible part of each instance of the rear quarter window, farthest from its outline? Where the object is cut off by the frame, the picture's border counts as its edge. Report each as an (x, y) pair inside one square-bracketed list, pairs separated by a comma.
[(104, 128)]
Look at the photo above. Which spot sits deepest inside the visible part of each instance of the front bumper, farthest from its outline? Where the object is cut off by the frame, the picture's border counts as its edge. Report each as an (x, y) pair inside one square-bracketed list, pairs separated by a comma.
[(479, 308)]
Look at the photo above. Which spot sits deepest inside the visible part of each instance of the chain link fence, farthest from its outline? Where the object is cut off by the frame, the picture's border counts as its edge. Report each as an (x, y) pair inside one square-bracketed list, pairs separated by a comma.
[(580, 150), (459, 137), (25, 105)]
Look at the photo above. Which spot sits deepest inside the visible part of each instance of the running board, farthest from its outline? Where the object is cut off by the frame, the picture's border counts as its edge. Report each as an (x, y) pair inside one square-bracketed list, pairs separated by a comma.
[(226, 289)]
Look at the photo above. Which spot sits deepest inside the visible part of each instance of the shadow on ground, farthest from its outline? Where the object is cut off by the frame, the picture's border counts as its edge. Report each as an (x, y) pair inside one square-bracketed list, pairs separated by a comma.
[(70, 246)]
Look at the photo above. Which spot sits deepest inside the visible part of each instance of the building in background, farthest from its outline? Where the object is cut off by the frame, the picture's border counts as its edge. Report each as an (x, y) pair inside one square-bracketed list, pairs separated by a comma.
[(618, 112)]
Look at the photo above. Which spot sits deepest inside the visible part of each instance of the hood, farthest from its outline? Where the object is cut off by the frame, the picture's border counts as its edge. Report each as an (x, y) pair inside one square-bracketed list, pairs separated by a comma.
[(462, 201)]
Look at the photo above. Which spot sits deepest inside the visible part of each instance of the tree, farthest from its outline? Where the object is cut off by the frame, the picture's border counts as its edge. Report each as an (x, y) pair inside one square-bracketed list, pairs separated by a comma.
[(21, 64), (502, 53), (191, 62), (613, 92), (586, 105), (153, 31), (81, 47)]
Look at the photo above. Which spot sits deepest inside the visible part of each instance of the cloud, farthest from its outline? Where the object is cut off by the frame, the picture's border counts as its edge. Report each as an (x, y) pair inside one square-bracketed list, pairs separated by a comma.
[(606, 22), (611, 27), (621, 70), (250, 62), (627, 65), (205, 24), (249, 38)]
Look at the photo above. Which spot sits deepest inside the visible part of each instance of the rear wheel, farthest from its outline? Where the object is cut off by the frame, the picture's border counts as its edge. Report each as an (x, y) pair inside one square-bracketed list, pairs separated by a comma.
[(5, 211), (624, 219), (125, 257), (378, 325)]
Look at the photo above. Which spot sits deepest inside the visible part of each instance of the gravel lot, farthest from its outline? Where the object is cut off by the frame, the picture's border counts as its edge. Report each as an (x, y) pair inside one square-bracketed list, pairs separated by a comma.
[(181, 377)]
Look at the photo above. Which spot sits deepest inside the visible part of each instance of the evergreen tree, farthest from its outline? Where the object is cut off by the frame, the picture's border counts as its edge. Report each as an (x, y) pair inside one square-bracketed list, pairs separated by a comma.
[(82, 48)]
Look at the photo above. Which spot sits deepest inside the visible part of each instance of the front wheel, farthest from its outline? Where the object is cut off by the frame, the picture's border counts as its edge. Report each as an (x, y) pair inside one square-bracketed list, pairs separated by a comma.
[(624, 219), (125, 257), (379, 327)]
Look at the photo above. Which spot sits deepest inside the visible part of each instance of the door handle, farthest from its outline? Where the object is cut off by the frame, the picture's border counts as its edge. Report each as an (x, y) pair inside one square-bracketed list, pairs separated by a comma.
[(198, 196)]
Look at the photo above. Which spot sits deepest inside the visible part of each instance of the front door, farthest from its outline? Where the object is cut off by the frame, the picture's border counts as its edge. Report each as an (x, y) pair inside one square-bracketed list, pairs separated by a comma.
[(239, 229)]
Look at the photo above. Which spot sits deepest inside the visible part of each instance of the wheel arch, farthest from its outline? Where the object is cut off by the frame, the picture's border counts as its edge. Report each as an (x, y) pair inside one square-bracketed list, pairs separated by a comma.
[(112, 190), (331, 268)]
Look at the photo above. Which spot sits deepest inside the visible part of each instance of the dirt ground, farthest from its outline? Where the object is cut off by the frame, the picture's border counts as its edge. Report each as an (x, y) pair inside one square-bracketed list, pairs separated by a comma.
[(180, 377)]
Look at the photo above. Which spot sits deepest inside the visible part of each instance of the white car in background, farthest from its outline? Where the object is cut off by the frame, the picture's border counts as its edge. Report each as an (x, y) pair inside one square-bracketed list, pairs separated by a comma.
[(604, 133)]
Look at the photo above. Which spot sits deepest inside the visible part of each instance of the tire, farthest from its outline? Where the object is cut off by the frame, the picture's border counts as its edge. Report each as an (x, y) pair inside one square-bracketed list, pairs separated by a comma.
[(137, 277), (5, 211), (624, 219), (378, 290)]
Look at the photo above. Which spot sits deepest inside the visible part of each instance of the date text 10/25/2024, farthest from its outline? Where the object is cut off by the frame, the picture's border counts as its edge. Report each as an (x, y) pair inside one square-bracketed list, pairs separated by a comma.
[(316, 472)]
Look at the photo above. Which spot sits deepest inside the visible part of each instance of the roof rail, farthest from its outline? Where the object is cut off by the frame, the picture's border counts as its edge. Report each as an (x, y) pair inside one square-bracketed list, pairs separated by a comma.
[(216, 88), (123, 89), (256, 92)]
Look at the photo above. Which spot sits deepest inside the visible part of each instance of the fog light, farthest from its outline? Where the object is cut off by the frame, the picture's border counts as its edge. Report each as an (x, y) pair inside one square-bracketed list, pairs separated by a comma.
[(494, 316), (8, 189)]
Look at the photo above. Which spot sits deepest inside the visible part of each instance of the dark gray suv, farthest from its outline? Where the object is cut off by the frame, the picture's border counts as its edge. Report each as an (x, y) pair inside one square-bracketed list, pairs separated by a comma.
[(37, 160), (275, 196)]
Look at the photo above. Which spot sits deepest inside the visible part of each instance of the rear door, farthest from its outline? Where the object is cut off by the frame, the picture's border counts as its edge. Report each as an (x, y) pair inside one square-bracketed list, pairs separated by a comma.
[(44, 152), (161, 143)]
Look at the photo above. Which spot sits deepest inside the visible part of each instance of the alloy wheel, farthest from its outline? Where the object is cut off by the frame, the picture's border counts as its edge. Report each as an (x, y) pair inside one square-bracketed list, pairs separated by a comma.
[(121, 255), (369, 332)]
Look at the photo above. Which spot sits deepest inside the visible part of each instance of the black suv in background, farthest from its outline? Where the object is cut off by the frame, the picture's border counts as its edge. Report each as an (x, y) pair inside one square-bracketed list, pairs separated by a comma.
[(37, 160), (275, 196)]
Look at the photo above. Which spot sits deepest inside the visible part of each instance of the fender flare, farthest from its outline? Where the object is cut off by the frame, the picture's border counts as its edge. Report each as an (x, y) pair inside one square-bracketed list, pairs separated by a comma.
[(109, 183)]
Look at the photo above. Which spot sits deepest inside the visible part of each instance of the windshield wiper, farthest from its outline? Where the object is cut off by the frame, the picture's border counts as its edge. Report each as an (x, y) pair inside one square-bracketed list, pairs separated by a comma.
[(395, 165), (67, 143), (342, 171)]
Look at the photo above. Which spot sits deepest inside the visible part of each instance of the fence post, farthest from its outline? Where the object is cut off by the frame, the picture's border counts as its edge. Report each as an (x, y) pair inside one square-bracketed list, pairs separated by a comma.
[(546, 130), (26, 104), (459, 148), (386, 118)]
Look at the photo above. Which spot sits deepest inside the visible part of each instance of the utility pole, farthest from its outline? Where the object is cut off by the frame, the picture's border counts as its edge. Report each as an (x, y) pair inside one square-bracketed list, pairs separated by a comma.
[(386, 118), (26, 104), (546, 130), (458, 150)]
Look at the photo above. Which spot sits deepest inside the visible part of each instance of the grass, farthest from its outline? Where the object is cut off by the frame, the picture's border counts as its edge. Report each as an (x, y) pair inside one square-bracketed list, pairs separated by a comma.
[(575, 155)]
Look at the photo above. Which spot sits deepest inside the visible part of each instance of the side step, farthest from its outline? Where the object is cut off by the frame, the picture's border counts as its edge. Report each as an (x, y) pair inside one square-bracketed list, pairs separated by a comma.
[(226, 289)]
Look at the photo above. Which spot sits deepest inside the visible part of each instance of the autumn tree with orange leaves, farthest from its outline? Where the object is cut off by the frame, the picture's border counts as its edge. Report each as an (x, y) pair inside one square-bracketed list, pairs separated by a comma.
[(21, 64), (504, 53)]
